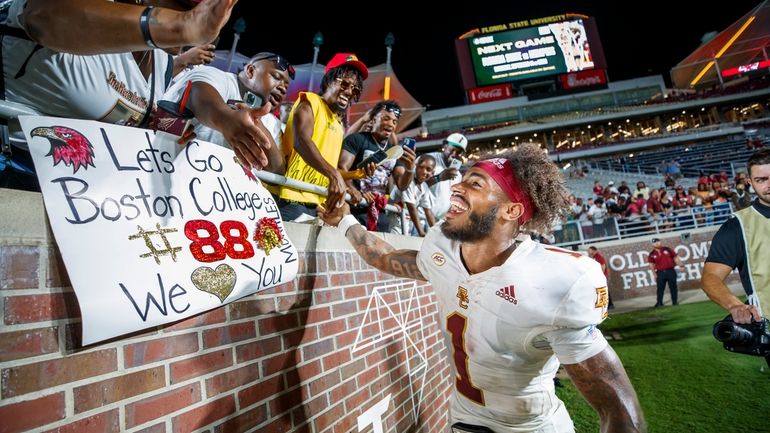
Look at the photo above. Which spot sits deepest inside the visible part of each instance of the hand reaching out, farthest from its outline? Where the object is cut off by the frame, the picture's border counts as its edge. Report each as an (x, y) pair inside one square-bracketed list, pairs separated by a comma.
[(247, 136), (369, 169), (202, 24), (337, 189), (331, 214), (408, 158), (200, 55)]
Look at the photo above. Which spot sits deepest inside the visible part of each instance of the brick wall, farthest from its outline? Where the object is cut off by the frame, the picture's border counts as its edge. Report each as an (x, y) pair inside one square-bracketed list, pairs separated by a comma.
[(309, 356)]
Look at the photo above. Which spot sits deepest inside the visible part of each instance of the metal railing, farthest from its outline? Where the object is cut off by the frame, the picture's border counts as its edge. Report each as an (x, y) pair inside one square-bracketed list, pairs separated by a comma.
[(10, 111), (577, 232), (280, 180)]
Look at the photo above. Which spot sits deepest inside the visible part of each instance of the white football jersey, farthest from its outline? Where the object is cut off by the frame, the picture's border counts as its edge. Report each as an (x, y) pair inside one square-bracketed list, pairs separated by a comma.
[(507, 329)]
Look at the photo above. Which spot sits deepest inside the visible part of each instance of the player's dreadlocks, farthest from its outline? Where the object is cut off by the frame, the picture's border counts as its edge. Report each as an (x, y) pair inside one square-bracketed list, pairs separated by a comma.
[(539, 177)]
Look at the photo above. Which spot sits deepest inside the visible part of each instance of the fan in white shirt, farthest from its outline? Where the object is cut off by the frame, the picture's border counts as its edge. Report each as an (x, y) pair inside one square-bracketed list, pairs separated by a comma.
[(509, 319), (267, 75)]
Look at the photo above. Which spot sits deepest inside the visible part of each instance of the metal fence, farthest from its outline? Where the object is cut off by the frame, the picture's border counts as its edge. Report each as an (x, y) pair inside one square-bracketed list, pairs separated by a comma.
[(10, 111), (573, 233)]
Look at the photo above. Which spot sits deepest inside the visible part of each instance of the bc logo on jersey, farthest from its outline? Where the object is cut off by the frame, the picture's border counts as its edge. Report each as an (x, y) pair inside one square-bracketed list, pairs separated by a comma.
[(462, 295), (602, 300), (438, 259)]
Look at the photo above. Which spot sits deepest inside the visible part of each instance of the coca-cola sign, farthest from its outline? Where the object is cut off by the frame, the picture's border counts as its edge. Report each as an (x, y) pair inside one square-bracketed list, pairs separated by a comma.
[(583, 79), (489, 93)]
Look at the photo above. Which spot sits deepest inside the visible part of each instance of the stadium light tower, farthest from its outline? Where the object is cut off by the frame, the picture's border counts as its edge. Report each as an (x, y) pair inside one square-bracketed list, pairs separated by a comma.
[(238, 27), (389, 41), (318, 40)]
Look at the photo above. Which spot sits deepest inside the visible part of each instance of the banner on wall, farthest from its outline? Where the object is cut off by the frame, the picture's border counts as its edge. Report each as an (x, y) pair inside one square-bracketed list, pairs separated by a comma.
[(630, 274), (152, 232)]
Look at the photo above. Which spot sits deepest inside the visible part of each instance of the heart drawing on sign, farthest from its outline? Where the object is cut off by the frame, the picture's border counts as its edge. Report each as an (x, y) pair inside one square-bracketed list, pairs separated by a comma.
[(219, 282)]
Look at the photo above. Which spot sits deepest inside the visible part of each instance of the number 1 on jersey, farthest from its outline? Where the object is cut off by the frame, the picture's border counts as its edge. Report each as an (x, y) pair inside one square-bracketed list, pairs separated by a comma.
[(456, 325)]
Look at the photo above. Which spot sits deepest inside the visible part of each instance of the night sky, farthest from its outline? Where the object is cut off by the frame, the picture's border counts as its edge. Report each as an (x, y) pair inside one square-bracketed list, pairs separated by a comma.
[(639, 38)]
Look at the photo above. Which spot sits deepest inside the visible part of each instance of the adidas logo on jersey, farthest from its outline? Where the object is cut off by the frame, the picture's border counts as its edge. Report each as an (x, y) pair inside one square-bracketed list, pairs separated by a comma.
[(508, 294)]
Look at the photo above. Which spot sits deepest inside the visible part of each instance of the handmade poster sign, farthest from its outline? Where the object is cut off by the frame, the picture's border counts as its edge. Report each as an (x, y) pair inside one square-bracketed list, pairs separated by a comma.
[(150, 231)]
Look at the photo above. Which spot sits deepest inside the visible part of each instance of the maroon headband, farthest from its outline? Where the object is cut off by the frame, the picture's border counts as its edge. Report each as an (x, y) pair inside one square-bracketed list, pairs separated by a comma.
[(501, 171)]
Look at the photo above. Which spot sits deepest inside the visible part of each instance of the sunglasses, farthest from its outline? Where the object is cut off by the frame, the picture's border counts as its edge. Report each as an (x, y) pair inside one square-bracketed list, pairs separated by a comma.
[(345, 85), (282, 63), (393, 109)]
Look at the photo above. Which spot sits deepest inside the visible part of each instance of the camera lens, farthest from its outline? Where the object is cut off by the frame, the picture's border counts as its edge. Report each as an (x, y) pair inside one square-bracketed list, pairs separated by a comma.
[(729, 332)]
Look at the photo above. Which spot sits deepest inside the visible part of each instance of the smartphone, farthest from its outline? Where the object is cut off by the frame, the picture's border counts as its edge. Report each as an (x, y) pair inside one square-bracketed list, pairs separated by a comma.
[(376, 158), (251, 99), (456, 163), (409, 142)]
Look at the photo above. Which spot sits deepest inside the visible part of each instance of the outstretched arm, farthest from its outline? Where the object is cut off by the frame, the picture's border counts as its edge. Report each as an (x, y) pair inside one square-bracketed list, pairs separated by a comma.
[(375, 251), (403, 175), (359, 124), (603, 382), (380, 254), (242, 129), (98, 26)]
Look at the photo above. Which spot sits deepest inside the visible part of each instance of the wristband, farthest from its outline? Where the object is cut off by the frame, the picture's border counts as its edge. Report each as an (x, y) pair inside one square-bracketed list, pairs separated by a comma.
[(144, 25), (347, 222)]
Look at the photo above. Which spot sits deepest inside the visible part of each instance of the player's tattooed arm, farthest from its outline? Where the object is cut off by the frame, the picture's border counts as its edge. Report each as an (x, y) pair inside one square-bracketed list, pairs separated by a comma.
[(382, 255), (603, 382)]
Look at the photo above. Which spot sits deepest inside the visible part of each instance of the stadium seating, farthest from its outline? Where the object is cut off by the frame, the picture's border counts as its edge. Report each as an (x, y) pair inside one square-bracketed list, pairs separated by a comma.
[(712, 157)]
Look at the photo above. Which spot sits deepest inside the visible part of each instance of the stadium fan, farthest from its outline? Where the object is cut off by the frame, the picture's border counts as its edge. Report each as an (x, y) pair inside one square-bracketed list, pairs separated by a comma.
[(314, 135), (213, 94), (446, 172)]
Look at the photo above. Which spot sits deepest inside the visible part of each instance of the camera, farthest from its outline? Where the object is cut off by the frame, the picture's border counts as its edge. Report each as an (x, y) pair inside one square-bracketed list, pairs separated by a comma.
[(750, 339)]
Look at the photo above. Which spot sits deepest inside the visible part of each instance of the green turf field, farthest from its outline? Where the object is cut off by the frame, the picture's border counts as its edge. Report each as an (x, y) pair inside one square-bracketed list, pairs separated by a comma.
[(686, 381)]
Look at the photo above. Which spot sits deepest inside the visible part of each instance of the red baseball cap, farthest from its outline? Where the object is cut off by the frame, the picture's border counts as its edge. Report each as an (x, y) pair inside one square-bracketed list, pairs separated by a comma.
[(349, 59)]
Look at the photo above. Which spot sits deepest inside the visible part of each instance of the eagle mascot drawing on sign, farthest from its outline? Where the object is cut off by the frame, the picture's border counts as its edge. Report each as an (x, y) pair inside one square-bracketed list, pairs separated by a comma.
[(67, 146)]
